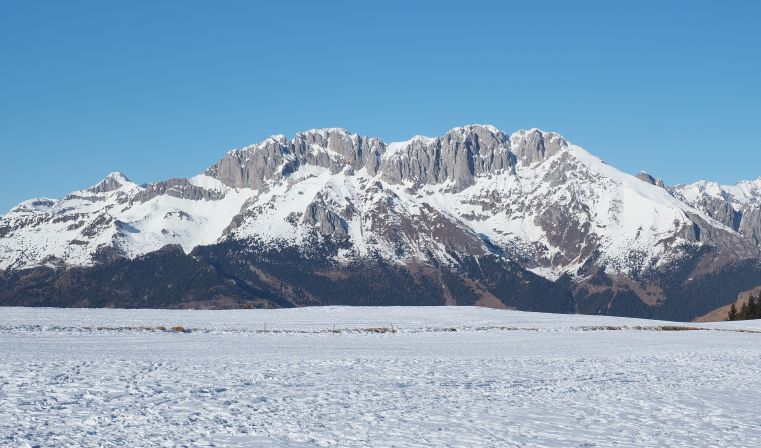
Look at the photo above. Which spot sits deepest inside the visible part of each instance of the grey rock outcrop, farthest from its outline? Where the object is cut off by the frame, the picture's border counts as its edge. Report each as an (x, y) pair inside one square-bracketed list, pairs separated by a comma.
[(458, 157), (750, 223), (112, 182), (735, 207), (252, 167), (256, 166), (466, 153), (34, 206), (721, 210), (534, 146), (324, 220), (352, 149), (178, 188), (644, 176)]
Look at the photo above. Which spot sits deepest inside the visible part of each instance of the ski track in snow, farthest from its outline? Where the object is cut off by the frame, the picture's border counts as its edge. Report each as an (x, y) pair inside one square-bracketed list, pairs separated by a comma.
[(64, 385)]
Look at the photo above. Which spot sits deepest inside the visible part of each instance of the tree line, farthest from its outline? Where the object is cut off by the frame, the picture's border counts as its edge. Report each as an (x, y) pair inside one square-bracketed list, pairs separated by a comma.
[(748, 310)]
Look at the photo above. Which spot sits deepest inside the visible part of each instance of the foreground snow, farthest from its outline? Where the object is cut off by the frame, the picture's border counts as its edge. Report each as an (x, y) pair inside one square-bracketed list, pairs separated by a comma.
[(444, 377)]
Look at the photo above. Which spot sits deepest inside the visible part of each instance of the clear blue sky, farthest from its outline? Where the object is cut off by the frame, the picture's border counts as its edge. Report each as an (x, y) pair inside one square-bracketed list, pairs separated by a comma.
[(161, 89)]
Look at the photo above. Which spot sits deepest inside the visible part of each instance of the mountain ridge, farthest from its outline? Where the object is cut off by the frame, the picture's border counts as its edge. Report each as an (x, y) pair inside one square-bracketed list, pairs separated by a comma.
[(428, 204)]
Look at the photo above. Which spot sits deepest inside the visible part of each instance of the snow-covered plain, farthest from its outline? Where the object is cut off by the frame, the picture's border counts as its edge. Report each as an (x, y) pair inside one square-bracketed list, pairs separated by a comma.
[(445, 377)]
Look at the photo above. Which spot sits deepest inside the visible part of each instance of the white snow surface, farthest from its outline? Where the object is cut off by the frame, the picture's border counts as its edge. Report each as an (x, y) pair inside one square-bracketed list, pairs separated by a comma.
[(465, 377)]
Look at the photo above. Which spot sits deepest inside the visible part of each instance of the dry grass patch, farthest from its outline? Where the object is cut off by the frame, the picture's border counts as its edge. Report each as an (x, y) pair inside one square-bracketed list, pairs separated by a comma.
[(677, 328), (379, 330)]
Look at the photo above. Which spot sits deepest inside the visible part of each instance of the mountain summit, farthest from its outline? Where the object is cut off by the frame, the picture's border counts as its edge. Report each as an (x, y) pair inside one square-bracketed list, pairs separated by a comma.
[(525, 220)]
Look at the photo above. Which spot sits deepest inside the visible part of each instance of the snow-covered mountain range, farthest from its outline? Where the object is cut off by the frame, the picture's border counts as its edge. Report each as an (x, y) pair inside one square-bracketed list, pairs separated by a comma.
[(530, 200)]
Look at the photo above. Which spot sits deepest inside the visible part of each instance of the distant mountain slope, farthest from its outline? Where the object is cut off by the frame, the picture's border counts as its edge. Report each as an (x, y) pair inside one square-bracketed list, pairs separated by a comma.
[(433, 211)]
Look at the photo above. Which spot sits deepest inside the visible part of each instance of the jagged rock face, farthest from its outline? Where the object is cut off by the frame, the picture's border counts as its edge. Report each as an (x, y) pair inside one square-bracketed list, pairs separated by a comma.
[(732, 244), (750, 223), (734, 206), (325, 221), (721, 211), (355, 151), (178, 188), (253, 168), (257, 166), (458, 157), (535, 146)]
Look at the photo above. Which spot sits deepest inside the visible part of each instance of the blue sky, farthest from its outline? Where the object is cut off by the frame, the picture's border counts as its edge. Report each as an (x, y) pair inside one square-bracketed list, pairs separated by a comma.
[(163, 89)]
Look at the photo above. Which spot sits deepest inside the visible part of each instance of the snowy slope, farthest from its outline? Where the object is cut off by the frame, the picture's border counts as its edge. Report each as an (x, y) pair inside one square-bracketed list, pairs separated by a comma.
[(122, 220), (570, 205)]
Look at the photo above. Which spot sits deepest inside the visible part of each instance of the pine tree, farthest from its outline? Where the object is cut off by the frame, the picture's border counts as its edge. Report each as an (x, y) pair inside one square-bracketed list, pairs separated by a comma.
[(752, 308), (743, 311), (732, 315)]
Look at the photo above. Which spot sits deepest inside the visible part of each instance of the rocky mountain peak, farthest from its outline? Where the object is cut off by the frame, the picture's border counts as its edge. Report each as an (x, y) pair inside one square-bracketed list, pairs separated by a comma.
[(484, 132), (534, 145), (112, 182)]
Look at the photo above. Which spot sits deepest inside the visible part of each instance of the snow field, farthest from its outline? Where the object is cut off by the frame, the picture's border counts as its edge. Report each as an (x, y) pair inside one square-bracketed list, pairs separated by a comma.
[(227, 383)]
